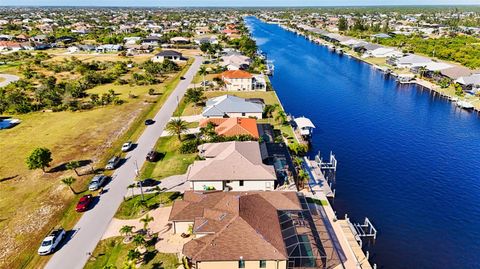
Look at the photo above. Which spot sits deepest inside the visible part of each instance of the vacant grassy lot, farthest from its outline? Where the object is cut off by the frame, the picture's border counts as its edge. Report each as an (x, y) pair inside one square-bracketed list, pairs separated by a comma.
[(172, 162), (133, 209), (113, 252), (32, 202)]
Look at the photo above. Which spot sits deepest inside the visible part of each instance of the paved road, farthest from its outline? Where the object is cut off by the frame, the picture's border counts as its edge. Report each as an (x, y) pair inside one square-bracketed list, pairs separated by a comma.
[(90, 228), (8, 79)]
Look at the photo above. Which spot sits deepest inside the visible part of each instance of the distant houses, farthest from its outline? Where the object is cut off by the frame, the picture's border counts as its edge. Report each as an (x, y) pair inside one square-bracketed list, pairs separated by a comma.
[(229, 106)]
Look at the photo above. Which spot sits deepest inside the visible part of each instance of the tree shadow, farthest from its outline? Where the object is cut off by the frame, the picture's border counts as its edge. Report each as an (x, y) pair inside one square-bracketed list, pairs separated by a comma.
[(149, 255), (63, 166), (8, 178)]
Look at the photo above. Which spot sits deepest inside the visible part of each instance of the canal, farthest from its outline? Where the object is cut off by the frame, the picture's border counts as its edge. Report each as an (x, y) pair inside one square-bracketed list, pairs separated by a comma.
[(408, 160)]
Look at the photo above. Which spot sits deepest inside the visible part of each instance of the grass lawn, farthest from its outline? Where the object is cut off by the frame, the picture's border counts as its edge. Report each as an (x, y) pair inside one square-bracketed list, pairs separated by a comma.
[(112, 251), (172, 161), (32, 202), (130, 209)]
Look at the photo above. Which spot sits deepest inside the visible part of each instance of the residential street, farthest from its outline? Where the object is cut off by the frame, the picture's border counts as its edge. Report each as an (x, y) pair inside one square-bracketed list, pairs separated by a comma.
[(8, 79), (90, 228)]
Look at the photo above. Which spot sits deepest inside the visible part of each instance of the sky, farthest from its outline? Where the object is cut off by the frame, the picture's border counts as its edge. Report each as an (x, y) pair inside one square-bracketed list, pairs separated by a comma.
[(182, 3)]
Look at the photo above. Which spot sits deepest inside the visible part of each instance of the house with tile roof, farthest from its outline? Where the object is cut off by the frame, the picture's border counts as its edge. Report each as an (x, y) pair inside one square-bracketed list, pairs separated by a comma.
[(229, 106), (232, 126), (240, 80), (273, 230), (233, 165)]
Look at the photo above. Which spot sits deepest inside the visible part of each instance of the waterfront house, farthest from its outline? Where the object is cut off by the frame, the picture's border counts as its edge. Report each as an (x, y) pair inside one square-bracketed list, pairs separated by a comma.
[(383, 52), (272, 230), (232, 126), (235, 62), (171, 55), (470, 83), (234, 166), (408, 61), (239, 80), (229, 106)]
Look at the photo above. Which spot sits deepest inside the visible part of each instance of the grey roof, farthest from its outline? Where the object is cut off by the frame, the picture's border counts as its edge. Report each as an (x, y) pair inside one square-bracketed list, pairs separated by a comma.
[(168, 53), (219, 106), (413, 59), (456, 72), (469, 80)]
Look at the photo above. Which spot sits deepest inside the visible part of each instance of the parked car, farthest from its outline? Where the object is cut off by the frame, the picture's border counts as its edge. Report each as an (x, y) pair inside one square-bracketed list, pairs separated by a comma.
[(149, 122), (149, 182), (127, 146), (97, 182), (51, 241), (152, 156), (182, 78), (113, 163), (84, 203)]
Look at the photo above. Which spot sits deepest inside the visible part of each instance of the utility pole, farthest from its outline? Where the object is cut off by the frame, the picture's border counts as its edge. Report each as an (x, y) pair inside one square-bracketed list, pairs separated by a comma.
[(139, 182)]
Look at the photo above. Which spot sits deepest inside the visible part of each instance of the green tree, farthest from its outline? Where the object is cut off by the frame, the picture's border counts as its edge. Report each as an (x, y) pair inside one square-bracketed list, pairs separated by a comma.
[(133, 255), (342, 24), (177, 127), (139, 240), (69, 182), (194, 96), (281, 117), (146, 220), (126, 230), (39, 158), (203, 71), (268, 110)]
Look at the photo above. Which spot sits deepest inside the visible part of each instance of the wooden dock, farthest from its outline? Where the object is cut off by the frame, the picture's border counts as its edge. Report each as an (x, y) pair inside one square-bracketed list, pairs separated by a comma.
[(321, 183), (354, 245)]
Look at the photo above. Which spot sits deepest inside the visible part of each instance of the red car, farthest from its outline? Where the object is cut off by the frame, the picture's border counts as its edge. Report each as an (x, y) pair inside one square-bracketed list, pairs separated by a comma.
[(83, 203)]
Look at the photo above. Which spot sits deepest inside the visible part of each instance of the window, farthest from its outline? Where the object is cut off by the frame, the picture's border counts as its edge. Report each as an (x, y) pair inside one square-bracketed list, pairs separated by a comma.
[(241, 264), (243, 114), (263, 264), (240, 183)]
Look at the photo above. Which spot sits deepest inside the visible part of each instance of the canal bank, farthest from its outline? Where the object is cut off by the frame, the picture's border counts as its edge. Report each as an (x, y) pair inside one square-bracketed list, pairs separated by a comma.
[(436, 89), (402, 151)]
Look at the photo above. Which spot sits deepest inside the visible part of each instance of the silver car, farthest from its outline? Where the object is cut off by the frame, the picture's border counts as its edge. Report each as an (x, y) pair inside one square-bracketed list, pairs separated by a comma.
[(97, 182), (112, 163)]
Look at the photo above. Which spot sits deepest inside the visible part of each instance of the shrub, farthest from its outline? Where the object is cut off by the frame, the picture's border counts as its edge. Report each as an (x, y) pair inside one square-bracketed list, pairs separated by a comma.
[(189, 146)]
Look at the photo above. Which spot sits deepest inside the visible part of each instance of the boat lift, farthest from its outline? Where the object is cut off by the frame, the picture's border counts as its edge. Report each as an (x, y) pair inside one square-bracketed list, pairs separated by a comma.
[(360, 231), (329, 168)]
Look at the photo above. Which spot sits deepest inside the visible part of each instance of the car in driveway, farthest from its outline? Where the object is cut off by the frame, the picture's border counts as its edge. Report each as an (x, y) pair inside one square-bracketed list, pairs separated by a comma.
[(84, 203), (97, 182), (127, 146), (51, 241), (149, 122), (152, 156), (112, 163), (149, 182)]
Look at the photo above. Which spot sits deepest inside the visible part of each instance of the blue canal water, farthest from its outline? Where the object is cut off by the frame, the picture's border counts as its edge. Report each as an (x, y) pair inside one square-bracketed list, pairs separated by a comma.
[(408, 160)]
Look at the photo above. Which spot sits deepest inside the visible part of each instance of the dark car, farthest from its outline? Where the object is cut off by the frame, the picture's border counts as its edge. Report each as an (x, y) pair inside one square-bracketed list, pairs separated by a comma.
[(182, 78), (84, 203), (152, 156), (149, 182), (149, 122)]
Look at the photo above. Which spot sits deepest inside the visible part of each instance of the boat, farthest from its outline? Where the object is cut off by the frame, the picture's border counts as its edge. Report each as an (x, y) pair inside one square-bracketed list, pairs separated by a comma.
[(304, 126), (339, 51), (465, 105), (331, 47)]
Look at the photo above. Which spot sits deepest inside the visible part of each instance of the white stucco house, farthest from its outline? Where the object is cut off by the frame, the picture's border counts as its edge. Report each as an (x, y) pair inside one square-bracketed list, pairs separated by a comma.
[(229, 106), (167, 54)]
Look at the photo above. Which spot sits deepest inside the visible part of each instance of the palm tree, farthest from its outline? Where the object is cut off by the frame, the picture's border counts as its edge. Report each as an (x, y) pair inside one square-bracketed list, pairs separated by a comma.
[(73, 165), (146, 220), (69, 181), (133, 255), (126, 230), (139, 240), (303, 177), (281, 117), (177, 127), (203, 72), (269, 109)]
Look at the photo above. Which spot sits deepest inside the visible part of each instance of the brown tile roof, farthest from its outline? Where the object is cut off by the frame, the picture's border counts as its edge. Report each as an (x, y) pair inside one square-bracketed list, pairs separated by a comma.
[(233, 126), (231, 74), (237, 224), (231, 161)]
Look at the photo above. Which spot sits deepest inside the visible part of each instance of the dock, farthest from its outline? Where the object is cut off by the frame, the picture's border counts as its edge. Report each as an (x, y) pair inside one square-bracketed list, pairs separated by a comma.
[(354, 239), (318, 182)]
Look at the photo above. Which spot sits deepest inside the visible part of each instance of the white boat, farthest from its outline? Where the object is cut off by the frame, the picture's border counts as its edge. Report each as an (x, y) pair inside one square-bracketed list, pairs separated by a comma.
[(465, 105)]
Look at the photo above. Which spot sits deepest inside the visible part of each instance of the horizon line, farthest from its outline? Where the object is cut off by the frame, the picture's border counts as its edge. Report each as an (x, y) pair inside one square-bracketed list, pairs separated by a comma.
[(237, 6)]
